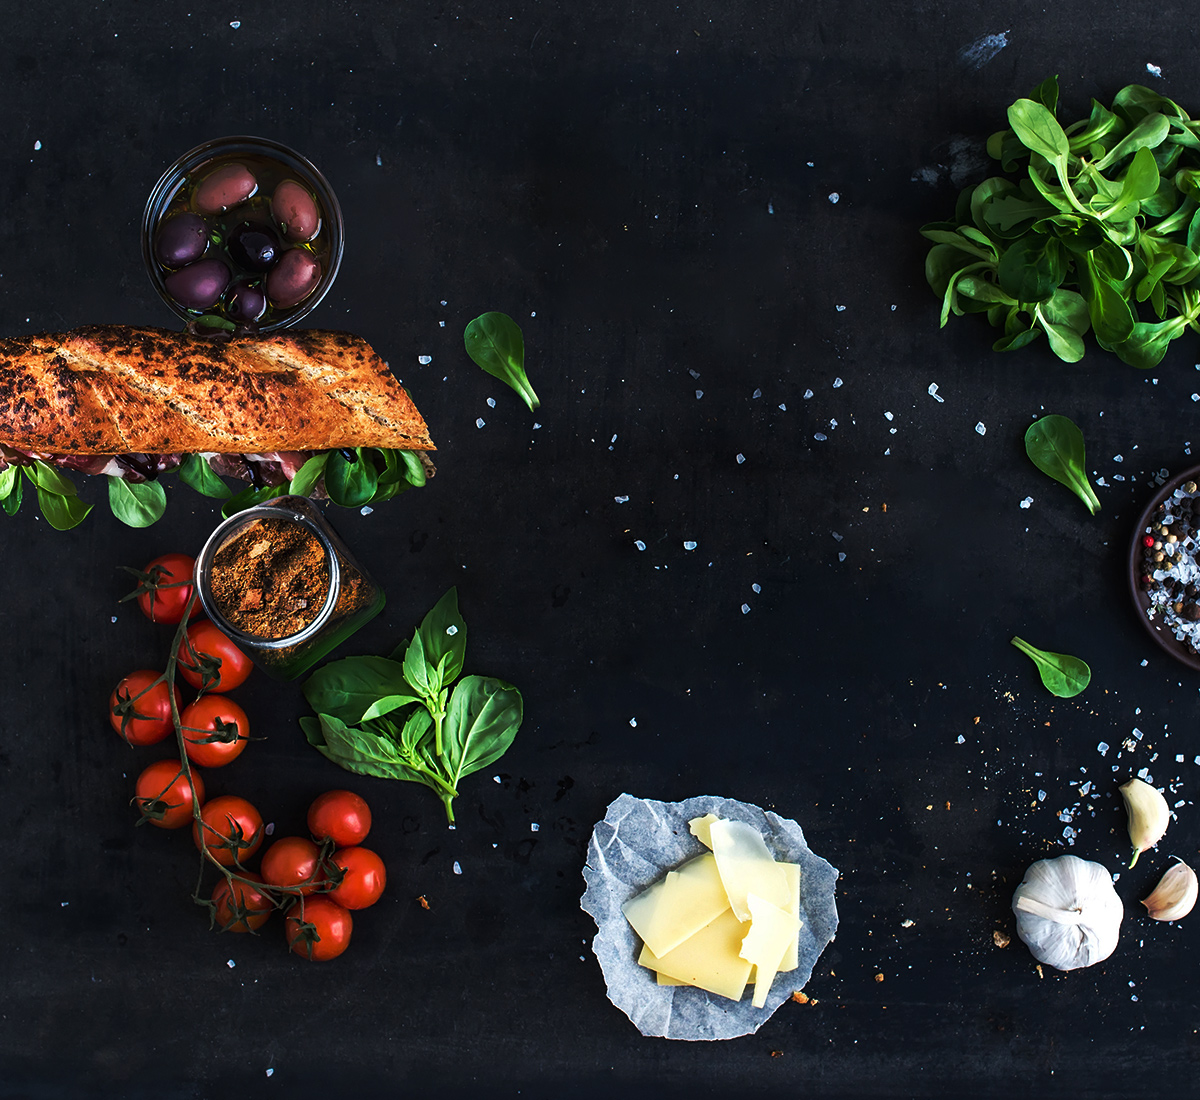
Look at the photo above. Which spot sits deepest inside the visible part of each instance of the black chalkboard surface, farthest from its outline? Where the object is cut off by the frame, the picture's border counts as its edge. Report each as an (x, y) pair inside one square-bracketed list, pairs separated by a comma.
[(767, 537)]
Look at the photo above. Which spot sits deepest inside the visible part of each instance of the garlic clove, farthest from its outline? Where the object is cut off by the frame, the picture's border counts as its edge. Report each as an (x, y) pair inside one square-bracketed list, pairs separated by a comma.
[(1148, 813), (1175, 893)]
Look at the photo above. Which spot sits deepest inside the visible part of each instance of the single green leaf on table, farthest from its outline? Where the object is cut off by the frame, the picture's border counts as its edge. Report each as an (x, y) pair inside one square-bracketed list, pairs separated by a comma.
[(1055, 446), (136, 503), (62, 512), (1063, 675), (196, 472), (494, 342)]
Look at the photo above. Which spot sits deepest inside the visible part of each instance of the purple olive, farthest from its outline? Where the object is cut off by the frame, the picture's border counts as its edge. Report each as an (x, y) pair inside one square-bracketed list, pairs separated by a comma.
[(224, 188), (294, 278), (198, 285), (253, 247), (295, 212), (245, 303), (180, 239)]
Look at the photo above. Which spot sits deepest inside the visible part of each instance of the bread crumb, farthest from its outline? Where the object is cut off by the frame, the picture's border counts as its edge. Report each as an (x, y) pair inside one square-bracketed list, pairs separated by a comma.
[(879, 977), (1001, 939), (800, 997)]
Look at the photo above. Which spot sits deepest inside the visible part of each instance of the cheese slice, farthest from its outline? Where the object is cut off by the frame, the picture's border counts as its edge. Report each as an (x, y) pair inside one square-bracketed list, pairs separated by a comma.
[(677, 907), (771, 932), (747, 867), (700, 826), (711, 959), (791, 957)]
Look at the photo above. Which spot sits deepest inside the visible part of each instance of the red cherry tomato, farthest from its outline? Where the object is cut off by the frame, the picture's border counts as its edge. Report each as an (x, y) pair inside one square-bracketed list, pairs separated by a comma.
[(318, 929), (215, 731), (232, 827), (164, 795), (141, 713), (291, 862), (241, 907), (340, 815), (218, 664), (164, 592), (364, 880)]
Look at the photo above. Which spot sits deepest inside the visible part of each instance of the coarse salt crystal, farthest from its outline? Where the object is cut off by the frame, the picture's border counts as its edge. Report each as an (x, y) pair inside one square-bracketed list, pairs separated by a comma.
[(980, 428), (451, 630), (745, 609), (834, 196), (230, 963), (640, 545), (741, 459), (534, 826), (235, 24), (807, 394), (887, 416), (1026, 502), (479, 422), (933, 392), (820, 437), (756, 394), (756, 588), (961, 739), (689, 545), (457, 867), (1102, 748), (699, 394), (842, 556), (621, 500), (838, 383), (783, 408), (633, 722), (491, 402), (424, 360)]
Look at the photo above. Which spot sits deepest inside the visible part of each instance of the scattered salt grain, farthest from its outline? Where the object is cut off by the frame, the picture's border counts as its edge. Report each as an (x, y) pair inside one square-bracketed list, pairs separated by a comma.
[(424, 360), (755, 395), (699, 394), (933, 392), (833, 423), (807, 394), (836, 536), (1118, 458), (745, 609), (961, 739), (838, 383), (269, 828), (741, 459), (621, 500), (479, 422), (820, 437), (640, 545), (693, 372), (840, 309), (770, 208), (365, 510), (689, 545), (756, 588), (1026, 502), (783, 408), (841, 556), (1153, 70), (833, 197), (451, 630), (270, 1072), (37, 146), (235, 24), (1041, 796), (633, 722), (980, 428), (114, 618), (491, 402), (1179, 758), (457, 867), (888, 416), (536, 425), (230, 963), (533, 826), (1102, 748)]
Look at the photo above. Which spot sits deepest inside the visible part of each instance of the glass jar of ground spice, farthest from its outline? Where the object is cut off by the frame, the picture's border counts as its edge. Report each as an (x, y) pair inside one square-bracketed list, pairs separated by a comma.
[(280, 582)]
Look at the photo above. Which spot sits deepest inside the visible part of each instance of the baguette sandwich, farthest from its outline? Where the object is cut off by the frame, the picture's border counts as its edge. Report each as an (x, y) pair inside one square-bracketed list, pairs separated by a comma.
[(313, 412)]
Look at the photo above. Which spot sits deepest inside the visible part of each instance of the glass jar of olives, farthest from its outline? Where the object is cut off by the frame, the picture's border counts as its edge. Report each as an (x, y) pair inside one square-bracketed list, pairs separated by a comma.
[(242, 234)]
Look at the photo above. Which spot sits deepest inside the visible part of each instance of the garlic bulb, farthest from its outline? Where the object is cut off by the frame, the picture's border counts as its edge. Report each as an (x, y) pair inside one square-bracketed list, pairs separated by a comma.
[(1175, 894), (1148, 813), (1068, 913)]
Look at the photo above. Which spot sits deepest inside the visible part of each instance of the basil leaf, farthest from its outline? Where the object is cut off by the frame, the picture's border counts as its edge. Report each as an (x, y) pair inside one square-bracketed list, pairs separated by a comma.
[(388, 704), (251, 496), (416, 731), (1055, 446), (346, 688), (444, 637), (196, 472), (350, 484), (417, 670), (481, 721), (10, 488), (414, 469), (61, 512), (1063, 675), (494, 342), (308, 475), (48, 478), (361, 751), (136, 503)]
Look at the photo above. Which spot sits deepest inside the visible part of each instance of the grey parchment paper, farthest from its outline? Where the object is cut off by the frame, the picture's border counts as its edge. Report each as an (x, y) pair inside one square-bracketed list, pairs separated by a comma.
[(637, 843)]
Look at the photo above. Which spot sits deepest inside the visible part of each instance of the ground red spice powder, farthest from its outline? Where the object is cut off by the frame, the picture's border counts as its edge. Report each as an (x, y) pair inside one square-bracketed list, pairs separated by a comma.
[(270, 579)]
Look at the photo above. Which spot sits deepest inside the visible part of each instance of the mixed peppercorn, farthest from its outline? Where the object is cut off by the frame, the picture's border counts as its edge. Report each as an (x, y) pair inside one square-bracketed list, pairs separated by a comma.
[(1168, 547)]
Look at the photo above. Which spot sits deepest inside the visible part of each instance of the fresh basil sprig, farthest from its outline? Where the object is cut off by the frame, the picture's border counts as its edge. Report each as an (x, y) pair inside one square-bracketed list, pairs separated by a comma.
[(1055, 446), (1062, 674), (1096, 225), (495, 342), (398, 717)]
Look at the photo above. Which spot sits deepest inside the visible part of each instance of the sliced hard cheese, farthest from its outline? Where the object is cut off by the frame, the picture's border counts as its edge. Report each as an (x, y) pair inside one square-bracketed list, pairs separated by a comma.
[(710, 959), (747, 867), (700, 826), (677, 907), (772, 931), (791, 957)]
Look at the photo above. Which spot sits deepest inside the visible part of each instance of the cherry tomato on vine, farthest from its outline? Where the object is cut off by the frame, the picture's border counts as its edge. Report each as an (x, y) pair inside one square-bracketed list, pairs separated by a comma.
[(215, 731), (318, 929), (164, 795), (290, 861), (240, 906), (340, 815), (232, 826), (161, 595), (142, 716), (218, 664), (364, 879)]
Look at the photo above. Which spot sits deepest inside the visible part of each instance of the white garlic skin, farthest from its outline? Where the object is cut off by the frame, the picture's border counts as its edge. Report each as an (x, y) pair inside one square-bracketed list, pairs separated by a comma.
[(1068, 913), (1175, 895), (1149, 815)]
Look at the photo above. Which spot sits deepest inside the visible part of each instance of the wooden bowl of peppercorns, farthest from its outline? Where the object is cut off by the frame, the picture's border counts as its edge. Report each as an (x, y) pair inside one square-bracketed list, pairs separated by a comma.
[(1164, 567)]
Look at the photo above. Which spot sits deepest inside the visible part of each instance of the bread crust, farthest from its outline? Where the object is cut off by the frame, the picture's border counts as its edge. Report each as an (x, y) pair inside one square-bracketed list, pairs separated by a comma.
[(117, 389)]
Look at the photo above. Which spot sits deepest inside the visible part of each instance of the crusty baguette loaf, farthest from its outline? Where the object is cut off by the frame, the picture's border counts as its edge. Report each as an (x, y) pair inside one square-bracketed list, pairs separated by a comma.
[(113, 389)]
